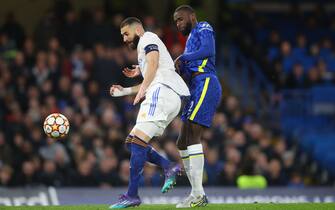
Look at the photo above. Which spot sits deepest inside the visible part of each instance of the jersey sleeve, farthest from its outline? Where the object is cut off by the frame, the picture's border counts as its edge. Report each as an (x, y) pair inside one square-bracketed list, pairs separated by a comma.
[(149, 43), (207, 47), (204, 26)]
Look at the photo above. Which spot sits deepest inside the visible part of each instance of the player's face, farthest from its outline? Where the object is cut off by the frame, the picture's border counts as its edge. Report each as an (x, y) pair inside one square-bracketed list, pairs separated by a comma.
[(129, 36), (183, 22)]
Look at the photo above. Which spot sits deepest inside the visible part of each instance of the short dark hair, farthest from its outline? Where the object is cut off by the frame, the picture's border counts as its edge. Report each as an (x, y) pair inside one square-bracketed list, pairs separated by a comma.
[(186, 8), (130, 21)]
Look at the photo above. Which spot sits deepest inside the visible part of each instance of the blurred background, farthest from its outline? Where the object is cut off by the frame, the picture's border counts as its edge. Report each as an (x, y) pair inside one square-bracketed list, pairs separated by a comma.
[(275, 59)]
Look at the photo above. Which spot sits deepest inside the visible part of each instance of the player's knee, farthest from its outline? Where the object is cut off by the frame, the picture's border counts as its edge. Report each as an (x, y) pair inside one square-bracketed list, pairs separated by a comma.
[(139, 142), (141, 135), (128, 142)]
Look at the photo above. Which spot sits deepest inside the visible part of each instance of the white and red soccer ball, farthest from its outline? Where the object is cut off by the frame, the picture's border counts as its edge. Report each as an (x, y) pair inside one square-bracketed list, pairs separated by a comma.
[(56, 126)]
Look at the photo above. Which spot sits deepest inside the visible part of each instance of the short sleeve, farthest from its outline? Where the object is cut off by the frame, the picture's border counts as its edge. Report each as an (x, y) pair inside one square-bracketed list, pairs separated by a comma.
[(205, 31), (204, 26), (149, 43)]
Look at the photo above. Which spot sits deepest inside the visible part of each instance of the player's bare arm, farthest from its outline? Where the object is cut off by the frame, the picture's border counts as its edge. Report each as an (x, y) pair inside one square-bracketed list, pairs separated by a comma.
[(152, 62)]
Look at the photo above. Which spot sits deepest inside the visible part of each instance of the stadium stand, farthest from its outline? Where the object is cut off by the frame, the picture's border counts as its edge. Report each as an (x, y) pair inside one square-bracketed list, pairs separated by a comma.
[(295, 52), (73, 58)]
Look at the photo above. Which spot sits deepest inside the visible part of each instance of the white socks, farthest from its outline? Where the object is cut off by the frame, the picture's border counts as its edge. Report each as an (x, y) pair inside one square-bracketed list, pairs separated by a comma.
[(186, 161), (194, 166)]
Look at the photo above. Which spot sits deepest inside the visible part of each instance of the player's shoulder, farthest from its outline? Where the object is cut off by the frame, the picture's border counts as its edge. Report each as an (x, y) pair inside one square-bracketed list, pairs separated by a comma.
[(148, 38), (149, 34), (204, 26), (149, 42)]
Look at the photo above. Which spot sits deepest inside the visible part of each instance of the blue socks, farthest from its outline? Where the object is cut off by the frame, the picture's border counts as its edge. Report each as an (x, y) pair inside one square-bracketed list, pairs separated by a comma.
[(141, 152), (152, 155), (137, 160)]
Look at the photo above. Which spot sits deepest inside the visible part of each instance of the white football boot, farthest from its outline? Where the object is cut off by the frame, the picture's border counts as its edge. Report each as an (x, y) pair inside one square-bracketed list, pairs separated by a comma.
[(191, 202)]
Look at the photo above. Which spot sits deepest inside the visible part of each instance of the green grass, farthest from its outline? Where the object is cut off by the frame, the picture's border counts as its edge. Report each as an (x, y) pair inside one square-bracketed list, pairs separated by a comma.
[(305, 206)]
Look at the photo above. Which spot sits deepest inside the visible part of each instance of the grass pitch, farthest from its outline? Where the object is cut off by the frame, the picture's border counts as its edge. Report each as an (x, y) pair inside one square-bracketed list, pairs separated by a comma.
[(304, 206)]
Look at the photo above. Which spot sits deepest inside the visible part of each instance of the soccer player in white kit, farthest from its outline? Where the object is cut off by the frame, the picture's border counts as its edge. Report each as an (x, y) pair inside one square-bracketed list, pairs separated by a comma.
[(161, 92)]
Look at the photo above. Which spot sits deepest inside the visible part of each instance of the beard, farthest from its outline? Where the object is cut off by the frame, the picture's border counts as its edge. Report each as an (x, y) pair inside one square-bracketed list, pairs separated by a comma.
[(133, 44), (187, 30)]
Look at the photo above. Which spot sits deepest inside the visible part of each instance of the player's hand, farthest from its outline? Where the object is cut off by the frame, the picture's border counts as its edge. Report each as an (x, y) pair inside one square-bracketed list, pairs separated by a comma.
[(115, 89), (131, 73), (139, 96)]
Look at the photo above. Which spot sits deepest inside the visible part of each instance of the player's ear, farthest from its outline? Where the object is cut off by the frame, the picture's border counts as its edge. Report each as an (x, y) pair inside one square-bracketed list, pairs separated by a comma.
[(193, 17), (137, 29)]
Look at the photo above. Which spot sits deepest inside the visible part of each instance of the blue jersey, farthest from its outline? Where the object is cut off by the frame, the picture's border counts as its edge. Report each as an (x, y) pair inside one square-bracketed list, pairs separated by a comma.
[(205, 88), (199, 53)]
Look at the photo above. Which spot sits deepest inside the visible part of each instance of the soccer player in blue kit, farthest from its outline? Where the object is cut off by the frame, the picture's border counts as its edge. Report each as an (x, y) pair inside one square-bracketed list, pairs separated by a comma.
[(197, 66)]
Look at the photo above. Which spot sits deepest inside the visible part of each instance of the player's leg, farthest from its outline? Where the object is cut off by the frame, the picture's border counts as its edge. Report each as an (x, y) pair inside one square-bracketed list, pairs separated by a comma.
[(182, 138), (196, 157), (172, 104), (137, 142), (148, 109), (193, 119), (182, 147), (157, 109), (205, 97), (142, 134), (138, 157), (152, 155), (196, 163), (173, 169)]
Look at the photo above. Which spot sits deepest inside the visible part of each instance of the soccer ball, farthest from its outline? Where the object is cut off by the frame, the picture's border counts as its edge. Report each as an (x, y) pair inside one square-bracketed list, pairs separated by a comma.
[(56, 125)]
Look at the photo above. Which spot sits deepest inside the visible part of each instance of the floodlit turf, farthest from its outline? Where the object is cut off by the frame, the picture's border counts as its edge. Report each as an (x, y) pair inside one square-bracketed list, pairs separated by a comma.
[(305, 206)]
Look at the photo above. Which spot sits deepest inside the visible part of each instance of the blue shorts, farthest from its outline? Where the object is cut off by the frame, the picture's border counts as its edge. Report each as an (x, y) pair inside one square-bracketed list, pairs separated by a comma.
[(205, 97)]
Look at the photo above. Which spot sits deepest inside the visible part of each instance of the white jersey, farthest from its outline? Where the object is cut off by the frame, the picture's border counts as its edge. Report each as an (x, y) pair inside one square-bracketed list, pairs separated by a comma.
[(166, 73)]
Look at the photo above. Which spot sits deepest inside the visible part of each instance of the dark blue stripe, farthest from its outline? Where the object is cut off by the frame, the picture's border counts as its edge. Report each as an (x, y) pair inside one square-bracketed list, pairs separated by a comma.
[(156, 100), (152, 105), (196, 154)]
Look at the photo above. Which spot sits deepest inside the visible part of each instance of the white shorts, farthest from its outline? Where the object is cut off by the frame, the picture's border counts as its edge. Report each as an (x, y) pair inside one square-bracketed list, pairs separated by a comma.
[(159, 108)]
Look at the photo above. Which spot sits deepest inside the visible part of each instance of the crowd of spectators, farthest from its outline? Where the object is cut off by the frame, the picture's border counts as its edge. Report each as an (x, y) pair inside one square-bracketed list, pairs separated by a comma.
[(300, 65), (68, 67), (294, 48)]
